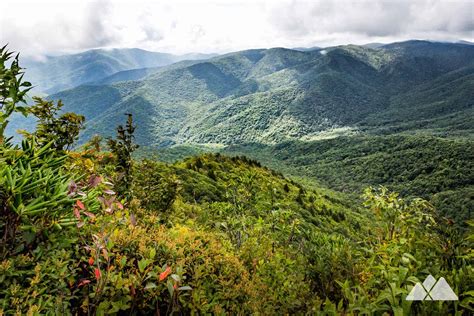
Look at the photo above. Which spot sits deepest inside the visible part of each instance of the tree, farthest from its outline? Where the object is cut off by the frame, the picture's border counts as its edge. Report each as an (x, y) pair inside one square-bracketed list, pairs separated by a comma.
[(95, 142), (12, 89), (122, 148), (62, 130)]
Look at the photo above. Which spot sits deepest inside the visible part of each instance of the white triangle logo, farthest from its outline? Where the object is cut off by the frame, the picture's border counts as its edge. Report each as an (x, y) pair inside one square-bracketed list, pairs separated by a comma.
[(442, 291), (431, 290), (418, 293)]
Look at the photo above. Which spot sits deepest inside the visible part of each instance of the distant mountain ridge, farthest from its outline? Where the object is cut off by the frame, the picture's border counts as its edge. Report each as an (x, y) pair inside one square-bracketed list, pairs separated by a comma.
[(57, 73), (273, 95)]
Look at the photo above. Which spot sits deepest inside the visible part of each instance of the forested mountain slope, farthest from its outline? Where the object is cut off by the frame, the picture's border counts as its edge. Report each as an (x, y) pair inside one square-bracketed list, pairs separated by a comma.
[(437, 169), (274, 95)]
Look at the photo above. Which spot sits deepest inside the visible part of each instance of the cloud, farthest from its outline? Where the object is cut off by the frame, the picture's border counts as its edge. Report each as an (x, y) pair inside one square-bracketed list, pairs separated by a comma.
[(97, 31), (43, 27), (364, 20)]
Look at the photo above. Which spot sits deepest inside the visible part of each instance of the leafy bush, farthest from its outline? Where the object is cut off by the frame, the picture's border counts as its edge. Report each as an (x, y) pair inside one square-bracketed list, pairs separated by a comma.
[(153, 187), (12, 89)]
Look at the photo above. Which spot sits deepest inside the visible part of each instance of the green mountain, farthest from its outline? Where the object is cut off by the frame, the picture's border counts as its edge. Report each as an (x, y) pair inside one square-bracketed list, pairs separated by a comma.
[(57, 73), (274, 95)]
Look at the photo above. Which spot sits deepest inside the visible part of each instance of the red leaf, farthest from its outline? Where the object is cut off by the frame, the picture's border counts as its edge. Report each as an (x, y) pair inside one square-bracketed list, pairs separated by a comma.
[(83, 282), (119, 205), (97, 273), (105, 253), (133, 220), (80, 205), (94, 181), (89, 214), (109, 192), (72, 188), (164, 274), (105, 201), (77, 214), (91, 261), (80, 224)]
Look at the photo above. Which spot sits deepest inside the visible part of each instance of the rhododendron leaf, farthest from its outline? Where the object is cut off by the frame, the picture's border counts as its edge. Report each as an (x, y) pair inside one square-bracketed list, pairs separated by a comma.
[(150, 285), (170, 288), (185, 288), (176, 277), (142, 265), (152, 253), (105, 254)]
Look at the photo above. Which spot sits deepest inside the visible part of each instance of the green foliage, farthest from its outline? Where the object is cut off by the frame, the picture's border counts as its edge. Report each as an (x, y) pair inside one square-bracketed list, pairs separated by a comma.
[(95, 143), (60, 130), (12, 89), (405, 248), (156, 190), (250, 241), (31, 184)]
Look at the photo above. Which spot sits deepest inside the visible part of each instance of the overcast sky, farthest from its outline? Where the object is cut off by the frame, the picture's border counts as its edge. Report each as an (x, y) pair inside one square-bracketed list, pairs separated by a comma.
[(38, 27)]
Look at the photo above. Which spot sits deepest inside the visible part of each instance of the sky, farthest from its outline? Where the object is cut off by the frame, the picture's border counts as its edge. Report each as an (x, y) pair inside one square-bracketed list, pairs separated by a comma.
[(39, 28)]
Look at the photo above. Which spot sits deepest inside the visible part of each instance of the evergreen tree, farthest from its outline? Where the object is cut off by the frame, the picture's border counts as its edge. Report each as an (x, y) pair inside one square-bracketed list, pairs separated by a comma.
[(122, 148)]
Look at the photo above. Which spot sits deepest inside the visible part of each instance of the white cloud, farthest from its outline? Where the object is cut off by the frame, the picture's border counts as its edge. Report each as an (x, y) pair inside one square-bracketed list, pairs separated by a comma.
[(46, 27)]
